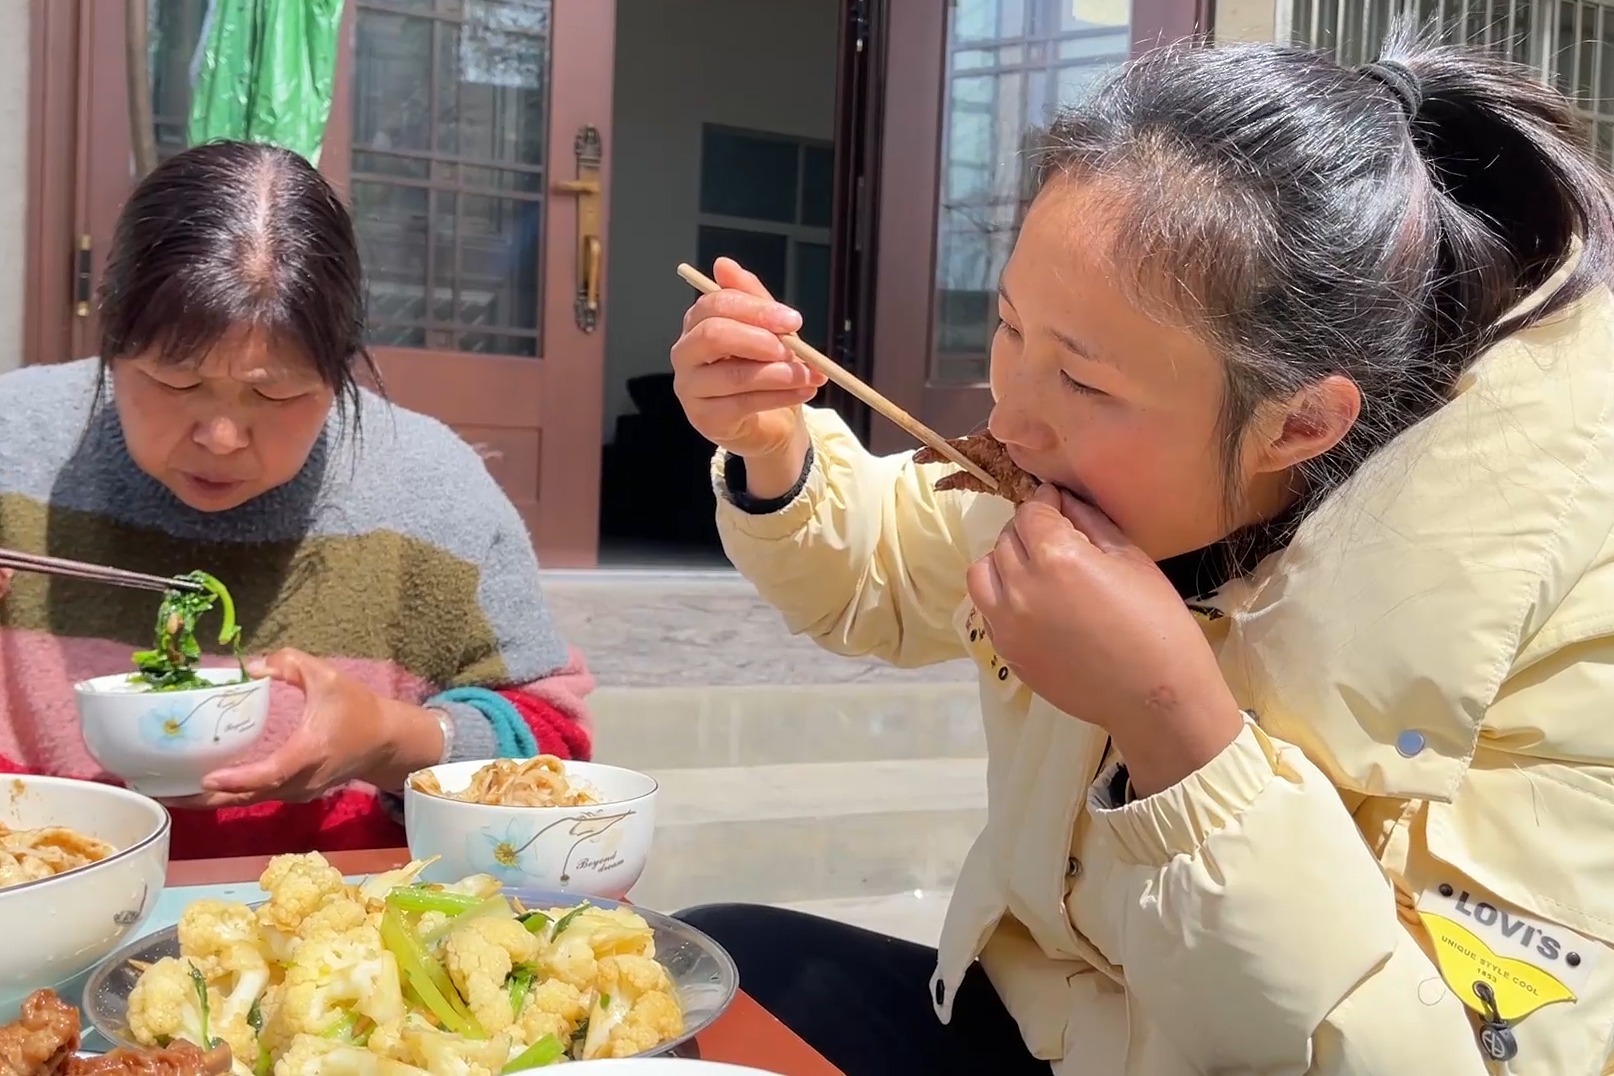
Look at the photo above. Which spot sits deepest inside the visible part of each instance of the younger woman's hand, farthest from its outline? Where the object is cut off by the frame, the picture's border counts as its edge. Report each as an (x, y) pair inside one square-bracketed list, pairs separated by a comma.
[(349, 733), (740, 387), (1092, 625)]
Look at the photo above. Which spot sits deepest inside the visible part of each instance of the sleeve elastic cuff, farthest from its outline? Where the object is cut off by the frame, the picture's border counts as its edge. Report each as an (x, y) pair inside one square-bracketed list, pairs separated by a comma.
[(1176, 821), (785, 521)]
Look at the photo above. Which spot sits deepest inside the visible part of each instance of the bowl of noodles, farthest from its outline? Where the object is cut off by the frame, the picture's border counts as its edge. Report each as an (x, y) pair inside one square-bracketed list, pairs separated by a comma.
[(541, 823), (81, 866)]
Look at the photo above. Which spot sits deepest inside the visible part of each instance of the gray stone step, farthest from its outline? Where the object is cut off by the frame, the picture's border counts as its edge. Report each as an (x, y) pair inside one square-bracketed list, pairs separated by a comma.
[(699, 628), (812, 831), (751, 725)]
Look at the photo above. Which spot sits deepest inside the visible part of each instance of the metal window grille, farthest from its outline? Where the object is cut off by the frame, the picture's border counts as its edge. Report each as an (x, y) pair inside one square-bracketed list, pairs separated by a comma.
[(1569, 43)]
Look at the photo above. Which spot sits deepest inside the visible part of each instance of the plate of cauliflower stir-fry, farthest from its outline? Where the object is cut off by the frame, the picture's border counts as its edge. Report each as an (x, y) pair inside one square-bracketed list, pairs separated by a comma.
[(394, 977)]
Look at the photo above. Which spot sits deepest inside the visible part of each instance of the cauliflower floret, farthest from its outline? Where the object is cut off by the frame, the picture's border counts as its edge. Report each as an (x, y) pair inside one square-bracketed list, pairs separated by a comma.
[(310, 1055), (616, 931), (571, 960), (481, 886), (634, 1010), (222, 940), (336, 973), (166, 1004), (552, 1008), (479, 956), (307, 898), (428, 923), (444, 1054)]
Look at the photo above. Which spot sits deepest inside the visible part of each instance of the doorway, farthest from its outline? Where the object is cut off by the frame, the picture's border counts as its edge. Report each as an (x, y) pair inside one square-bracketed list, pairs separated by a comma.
[(725, 132), (471, 138)]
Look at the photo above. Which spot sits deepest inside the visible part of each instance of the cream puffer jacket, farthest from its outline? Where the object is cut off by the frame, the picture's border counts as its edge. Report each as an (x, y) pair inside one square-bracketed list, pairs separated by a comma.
[(1404, 864)]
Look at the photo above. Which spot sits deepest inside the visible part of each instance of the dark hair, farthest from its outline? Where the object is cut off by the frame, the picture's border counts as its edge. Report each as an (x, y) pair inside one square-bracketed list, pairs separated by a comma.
[(228, 234), (1308, 219)]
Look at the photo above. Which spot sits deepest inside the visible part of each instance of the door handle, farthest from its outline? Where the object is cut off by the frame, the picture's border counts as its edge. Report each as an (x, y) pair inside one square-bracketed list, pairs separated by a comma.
[(590, 249)]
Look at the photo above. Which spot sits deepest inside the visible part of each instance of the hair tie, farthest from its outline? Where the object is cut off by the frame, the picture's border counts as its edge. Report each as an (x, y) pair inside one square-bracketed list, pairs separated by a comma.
[(1400, 80)]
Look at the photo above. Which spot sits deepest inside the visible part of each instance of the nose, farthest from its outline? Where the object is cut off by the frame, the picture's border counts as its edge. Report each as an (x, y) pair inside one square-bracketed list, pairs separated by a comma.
[(1014, 424), (220, 435)]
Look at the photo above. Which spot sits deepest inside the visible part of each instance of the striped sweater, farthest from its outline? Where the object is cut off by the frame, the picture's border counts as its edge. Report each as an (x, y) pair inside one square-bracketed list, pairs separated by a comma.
[(393, 554)]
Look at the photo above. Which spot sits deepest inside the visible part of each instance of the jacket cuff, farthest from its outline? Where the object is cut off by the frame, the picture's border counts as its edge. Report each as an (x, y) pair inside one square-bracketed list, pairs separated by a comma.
[(783, 521), (1176, 821)]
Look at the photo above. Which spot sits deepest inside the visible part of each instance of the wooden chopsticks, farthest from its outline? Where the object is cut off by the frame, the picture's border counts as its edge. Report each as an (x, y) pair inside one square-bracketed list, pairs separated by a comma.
[(849, 381), (95, 573)]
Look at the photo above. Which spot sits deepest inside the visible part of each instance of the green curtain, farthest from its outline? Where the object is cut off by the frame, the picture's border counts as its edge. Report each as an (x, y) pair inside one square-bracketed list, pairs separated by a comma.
[(266, 72)]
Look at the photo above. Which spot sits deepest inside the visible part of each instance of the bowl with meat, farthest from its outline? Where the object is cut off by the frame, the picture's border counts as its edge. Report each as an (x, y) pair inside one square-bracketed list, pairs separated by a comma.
[(572, 827), (81, 865)]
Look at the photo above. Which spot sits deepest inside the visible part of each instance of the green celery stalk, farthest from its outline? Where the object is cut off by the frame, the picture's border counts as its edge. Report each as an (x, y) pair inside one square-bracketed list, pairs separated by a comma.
[(546, 1051), (416, 966), (421, 899)]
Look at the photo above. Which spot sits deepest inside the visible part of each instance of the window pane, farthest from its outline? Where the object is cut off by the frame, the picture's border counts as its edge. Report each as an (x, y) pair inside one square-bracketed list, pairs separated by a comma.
[(1010, 64), (763, 254), (748, 176), (810, 283), (451, 106), (391, 222), (818, 186)]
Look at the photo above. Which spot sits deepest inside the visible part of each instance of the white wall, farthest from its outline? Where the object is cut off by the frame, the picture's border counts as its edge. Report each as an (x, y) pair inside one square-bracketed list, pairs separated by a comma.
[(13, 176), (1248, 20), (767, 65)]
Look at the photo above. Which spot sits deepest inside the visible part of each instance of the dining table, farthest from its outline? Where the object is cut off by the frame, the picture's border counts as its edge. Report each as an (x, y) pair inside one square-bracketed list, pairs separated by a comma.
[(744, 1035)]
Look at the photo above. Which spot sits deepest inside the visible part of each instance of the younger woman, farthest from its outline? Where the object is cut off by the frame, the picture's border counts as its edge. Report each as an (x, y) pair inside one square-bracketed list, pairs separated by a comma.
[(388, 582), (1296, 673)]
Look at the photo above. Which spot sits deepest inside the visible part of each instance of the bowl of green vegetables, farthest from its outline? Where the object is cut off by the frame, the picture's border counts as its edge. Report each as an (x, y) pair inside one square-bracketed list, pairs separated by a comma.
[(164, 726)]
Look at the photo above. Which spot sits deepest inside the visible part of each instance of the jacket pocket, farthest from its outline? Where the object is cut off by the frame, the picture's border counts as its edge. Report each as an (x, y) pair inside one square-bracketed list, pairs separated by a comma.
[(1523, 864)]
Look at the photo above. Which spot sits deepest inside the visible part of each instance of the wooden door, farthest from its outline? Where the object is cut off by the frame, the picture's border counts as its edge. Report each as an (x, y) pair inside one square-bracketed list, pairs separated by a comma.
[(966, 85), (472, 140)]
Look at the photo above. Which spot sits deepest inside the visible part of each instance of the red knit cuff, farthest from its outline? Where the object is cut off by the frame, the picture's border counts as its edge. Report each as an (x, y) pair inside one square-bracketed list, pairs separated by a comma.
[(557, 734)]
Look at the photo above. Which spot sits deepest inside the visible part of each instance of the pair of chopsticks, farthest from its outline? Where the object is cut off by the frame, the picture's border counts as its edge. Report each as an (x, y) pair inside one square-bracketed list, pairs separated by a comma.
[(95, 573), (816, 359)]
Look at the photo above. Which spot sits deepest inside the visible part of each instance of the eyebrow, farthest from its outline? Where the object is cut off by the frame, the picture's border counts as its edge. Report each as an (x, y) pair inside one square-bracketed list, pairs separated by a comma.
[(1079, 348)]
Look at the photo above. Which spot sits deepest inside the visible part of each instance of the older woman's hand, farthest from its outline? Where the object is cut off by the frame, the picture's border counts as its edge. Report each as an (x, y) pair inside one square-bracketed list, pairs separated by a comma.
[(349, 733)]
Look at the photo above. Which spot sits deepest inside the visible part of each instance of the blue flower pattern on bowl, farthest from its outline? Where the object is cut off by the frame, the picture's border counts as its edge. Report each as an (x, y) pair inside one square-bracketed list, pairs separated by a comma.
[(507, 854), (170, 726)]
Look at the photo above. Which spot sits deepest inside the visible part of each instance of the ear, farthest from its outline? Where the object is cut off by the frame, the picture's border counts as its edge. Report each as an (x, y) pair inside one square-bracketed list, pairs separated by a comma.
[(1303, 427)]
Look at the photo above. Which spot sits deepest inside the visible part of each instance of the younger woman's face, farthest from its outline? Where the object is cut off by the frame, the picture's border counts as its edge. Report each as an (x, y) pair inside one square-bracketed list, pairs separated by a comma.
[(1095, 396), (224, 430)]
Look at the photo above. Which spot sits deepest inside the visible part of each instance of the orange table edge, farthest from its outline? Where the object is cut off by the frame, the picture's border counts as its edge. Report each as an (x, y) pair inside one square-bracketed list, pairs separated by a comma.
[(744, 1035)]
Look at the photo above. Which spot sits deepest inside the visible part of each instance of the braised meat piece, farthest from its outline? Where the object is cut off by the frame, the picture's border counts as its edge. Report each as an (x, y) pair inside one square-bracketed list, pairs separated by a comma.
[(44, 1038), (987, 453), (180, 1059), (41, 1039)]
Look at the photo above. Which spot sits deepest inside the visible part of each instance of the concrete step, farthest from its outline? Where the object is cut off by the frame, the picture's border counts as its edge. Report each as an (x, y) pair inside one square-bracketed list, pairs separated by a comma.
[(811, 831), (746, 725), (699, 628)]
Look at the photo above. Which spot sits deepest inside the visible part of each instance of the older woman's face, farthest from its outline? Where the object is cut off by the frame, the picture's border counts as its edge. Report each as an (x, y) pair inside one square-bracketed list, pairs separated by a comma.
[(222, 431)]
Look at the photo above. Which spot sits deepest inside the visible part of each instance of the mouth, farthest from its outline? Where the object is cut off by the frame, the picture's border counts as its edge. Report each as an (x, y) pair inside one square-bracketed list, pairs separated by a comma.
[(212, 485)]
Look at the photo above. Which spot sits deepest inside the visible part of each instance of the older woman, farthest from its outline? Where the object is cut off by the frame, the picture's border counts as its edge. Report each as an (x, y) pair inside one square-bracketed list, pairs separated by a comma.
[(389, 584)]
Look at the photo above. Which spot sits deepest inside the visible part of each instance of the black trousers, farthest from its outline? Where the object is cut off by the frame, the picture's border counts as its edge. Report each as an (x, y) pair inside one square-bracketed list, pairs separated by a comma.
[(863, 999)]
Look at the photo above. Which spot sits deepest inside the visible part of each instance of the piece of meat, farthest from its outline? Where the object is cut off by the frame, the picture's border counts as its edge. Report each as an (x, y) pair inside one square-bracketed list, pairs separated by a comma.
[(180, 1059), (42, 1038), (987, 453)]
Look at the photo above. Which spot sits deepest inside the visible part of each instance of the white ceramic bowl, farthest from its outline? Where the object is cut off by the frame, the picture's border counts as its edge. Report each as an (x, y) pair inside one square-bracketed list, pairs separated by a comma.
[(594, 851), (58, 928), (162, 743)]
